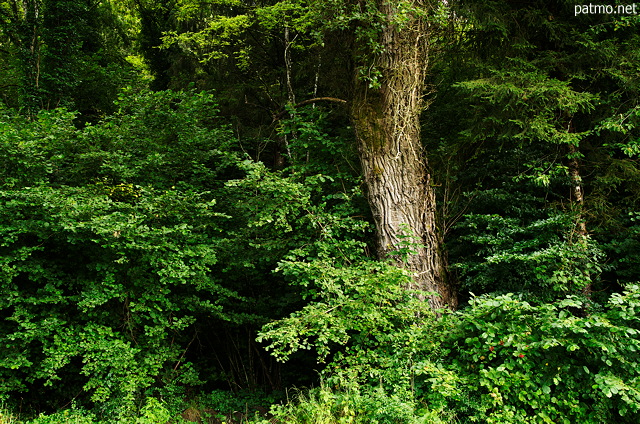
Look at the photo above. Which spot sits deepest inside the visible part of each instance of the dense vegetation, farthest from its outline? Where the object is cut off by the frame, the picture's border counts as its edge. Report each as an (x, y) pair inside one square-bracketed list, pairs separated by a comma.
[(318, 212)]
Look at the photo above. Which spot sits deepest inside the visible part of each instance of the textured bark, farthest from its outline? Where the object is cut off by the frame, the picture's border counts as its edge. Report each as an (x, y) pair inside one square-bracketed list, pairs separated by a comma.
[(394, 165), (577, 198)]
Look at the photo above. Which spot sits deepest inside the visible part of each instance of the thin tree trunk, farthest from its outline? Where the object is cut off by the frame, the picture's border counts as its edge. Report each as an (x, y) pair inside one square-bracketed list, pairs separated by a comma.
[(577, 199), (577, 196), (394, 165), (291, 95), (26, 37)]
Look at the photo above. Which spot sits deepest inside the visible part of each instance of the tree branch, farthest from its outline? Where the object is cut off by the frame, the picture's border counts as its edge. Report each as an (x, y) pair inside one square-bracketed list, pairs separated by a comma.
[(283, 113)]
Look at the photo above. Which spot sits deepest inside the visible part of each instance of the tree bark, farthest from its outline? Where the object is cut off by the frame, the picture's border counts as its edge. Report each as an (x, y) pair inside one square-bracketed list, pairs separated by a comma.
[(577, 199), (399, 190)]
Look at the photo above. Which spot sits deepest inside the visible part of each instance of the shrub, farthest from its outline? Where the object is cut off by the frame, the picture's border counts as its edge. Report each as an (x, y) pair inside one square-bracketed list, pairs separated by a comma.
[(353, 405), (519, 362)]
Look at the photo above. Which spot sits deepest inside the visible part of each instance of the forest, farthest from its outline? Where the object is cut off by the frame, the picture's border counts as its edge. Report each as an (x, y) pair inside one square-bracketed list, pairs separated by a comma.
[(319, 212)]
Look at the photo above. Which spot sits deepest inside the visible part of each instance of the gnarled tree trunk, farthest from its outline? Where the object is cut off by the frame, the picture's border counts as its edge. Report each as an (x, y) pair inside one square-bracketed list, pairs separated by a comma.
[(394, 165)]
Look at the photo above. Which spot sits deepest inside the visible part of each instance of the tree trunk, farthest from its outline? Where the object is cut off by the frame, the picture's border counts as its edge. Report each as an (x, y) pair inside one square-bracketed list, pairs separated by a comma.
[(25, 34), (386, 119), (577, 198)]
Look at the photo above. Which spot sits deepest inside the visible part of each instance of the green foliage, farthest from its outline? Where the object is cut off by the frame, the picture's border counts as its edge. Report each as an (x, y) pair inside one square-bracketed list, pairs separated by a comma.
[(501, 359), (546, 104), (106, 265), (367, 328), (506, 360), (354, 405), (32, 151), (352, 302), (71, 416), (165, 139), (141, 251), (111, 314), (167, 232), (527, 363), (319, 145), (367, 24), (533, 106), (6, 416), (543, 257), (63, 53), (624, 248), (153, 412), (225, 32)]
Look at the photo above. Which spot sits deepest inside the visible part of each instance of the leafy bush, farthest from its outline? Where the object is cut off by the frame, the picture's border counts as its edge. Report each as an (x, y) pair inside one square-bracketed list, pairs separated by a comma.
[(118, 310), (71, 416), (502, 359), (355, 405), (514, 361), (521, 249), (132, 248), (108, 240)]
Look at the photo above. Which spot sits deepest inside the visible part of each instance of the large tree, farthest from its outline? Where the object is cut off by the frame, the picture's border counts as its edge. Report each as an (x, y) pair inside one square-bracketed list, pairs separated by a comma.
[(385, 109), (388, 46)]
